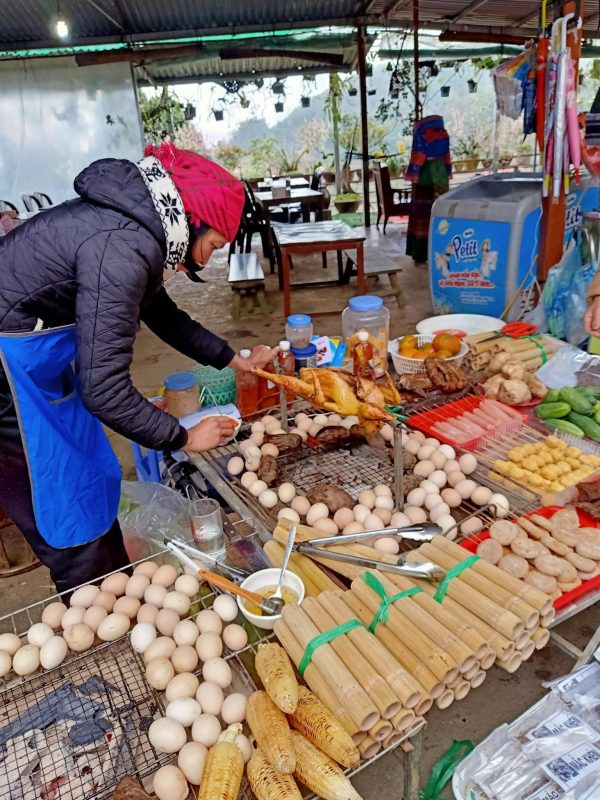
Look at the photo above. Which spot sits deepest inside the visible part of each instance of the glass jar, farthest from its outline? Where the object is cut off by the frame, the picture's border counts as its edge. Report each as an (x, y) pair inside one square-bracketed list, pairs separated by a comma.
[(182, 394), (299, 330), (367, 312), (305, 357)]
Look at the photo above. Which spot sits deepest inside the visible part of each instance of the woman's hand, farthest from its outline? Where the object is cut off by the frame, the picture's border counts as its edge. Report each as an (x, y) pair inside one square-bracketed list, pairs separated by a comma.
[(209, 433), (592, 317), (261, 356)]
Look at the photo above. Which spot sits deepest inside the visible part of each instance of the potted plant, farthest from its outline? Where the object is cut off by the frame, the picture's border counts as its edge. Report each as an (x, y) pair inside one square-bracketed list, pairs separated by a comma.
[(445, 91), (305, 101), (396, 166), (244, 102), (371, 92), (505, 159), (279, 107), (467, 150), (472, 84), (352, 91), (347, 203), (259, 83), (278, 87), (219, 114), (189, 112)]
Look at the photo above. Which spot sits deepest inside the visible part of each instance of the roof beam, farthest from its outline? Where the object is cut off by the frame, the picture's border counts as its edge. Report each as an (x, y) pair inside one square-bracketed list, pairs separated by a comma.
[(468, 9), (117, 23), (233, 53), (138, 54)]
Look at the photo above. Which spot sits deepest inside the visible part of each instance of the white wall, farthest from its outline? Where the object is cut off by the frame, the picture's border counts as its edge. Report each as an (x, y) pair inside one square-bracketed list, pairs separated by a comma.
[(53, 123)]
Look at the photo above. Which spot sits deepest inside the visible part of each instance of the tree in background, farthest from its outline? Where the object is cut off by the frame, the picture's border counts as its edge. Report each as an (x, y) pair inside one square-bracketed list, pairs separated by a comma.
[(264, 156), (229, 155), (162, 115), (189, 138)]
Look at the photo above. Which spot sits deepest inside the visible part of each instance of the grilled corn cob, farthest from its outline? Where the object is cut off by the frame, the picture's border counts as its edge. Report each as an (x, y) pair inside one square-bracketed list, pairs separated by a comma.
[(277, 675), (319, 773), (317, 724), (271, 731), (224, 768), (267, 783)]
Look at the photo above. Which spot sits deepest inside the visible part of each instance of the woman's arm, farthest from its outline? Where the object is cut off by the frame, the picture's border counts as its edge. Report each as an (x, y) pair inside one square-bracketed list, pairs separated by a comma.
[(592, 316)]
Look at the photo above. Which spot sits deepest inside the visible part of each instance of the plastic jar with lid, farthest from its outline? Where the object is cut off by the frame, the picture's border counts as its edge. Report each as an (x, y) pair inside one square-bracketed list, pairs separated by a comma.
[(299, 330), (182, 394), (367, 312), (305, 357)]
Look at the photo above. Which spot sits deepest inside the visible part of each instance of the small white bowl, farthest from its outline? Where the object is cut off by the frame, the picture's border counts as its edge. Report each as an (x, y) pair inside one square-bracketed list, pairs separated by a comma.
[(260, 580)]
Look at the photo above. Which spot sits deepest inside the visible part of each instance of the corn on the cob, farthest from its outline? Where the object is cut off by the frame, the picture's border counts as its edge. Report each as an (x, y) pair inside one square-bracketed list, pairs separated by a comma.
[(267, 783), (277, 675), (319, 773), (224, 768), (271, 731), (317, 724)]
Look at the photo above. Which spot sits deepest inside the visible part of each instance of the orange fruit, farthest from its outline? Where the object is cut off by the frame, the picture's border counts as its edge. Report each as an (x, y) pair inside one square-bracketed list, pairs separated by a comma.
[(411, 353), (443, 354), (426, 348), (420, 355), (408, 343), (447, 342)]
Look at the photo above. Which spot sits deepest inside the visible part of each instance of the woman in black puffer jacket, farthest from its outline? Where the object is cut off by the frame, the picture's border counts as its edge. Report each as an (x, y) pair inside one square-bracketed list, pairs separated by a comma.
[(96, 263)]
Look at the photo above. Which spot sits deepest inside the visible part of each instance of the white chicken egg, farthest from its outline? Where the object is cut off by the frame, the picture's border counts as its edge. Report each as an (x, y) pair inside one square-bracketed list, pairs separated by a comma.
[(447, 451), (258, 427), (399, 520), (10, 643), (361, 512), (320, 419), (275, 430), (252, 462), (235, 465), (142, 635), (235, 637), (105, 600), (210, 696), (183, 685), (467, 463), (53, 614), (209, 621), (257, 439), (26, 660), (425, 452), (384, 515), (451, 497), (373, 523), (245, 747), (184, 658), (286, 493), (316, 511), (206, 730), (245, 445), (314, 429), (269, 450), (384, 501), (452, 466), (387, 433), (80, 637), (147, 613), (387, 544), (188, 585), (300, 417), (113, 627), (415, 515), (343, 517), (184, 710), (73, 616), (257, 488), (300, 505), (354, 527), (226, 607), (326, 525), (166, 620), (191, 760), (147, 568), (424, 468), (500, 505), (412, 446), (128, 606), (178, 601), (53, 652), (248, 478), (218, 671), (165, 576), (432, 441), (382, 490), (6, 661), (185, 632), (305, 424), (136, 586), (439, 459), (419, 436), (155, 594), (334, 419), (416, 497), (93, 616), (84, 596), (167, 736), (481, 496), (367, 498), (162, 647), (446, 523), (234, 708), (429, 487), (299, 432), (439, 477), (432, 500), (441, 510), (466, 488), (267, 499), (170, 783), (39, 633), (288, 513), (454, 478), (471, 526), (269, 419)]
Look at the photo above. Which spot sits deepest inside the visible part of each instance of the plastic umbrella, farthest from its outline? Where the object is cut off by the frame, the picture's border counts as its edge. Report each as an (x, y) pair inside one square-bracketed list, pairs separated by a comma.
[(542, 59), (550, 108), (572, 118), (560, 108)]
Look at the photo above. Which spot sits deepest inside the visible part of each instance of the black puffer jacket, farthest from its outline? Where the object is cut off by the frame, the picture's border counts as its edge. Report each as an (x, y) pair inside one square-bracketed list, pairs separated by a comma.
[(98, 261)]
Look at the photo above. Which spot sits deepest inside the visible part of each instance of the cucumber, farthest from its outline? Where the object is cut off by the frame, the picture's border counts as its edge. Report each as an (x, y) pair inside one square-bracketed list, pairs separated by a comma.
[(551, 396), (552, 410), (578, 401), (590, 428), (564, 426)]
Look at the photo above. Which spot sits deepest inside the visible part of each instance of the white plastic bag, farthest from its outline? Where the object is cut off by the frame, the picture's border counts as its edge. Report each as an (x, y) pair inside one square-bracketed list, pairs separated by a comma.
[(147, 513)]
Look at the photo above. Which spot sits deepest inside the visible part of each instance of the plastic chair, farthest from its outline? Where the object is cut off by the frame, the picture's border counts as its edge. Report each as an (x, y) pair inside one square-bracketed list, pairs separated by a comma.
[(31, 203), (6, 205), (146, 464), (43, 199)]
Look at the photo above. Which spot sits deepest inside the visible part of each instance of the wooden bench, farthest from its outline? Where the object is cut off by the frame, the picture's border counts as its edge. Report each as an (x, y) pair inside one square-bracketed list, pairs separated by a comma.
[(380, 262), (247, 281)]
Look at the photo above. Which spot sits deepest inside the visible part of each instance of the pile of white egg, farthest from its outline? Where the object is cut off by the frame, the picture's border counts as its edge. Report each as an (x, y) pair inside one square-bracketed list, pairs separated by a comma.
[(196, 713)]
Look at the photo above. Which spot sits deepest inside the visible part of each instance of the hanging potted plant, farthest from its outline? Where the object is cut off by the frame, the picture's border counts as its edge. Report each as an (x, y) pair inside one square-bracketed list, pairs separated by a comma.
[(352, 91), (244, 102), (305, 101), (259, 83), (278, 87), (472, 84), (189, 112), (371, 92), (445, 91), (219, 114), (279, 107)]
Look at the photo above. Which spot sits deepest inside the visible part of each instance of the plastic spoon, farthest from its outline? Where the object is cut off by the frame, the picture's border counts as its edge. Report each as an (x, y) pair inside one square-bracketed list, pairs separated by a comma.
[(286, 557)]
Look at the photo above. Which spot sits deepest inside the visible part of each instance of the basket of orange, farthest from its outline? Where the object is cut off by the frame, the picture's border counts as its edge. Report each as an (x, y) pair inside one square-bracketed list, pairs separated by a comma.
[(409, 352)]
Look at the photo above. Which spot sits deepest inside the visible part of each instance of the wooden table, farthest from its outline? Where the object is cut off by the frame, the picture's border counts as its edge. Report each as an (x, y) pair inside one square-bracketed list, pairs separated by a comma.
[(318, 237), (307, 198), (295, 183)]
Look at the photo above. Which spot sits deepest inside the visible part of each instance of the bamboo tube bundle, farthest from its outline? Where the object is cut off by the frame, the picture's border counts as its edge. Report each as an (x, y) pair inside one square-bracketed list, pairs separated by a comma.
[(404, 720), (432, 686), (512, 663), (403, 684), (523, 641), (540, 637), (473, 671), (445, 700), (354, 698), (528, 650), (460, 687), (307, 567), (274, 552), (381, 730), (487, 662), (425, 649), (359, 737), (393, 739), (369, 748), (478, 679), (372, 682)]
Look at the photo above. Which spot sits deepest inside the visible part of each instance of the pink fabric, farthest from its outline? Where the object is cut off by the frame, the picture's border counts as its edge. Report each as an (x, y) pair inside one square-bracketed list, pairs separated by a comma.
[(209, 193)]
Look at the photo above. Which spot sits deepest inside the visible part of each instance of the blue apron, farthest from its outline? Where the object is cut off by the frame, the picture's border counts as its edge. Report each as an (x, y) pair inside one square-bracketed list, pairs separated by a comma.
[(75, 476)]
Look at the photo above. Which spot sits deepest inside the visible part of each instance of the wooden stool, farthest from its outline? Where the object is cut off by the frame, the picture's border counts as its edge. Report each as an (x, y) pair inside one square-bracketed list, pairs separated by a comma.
[(247, 281), (23, 557)]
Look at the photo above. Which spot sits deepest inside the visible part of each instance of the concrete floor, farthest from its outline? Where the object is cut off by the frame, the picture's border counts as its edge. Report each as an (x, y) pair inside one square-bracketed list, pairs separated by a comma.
[(502, 697)]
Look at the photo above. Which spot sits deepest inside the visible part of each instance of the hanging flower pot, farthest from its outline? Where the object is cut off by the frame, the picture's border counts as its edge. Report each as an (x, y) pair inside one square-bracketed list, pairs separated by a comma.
[(244, 102), (219, 114), (305, 102), (472, 86), (369, 68), (434, 70), (278, 87), (279, 108), (395, 94), (189, 112), (581, 78), (445, 91), (259, 83), (371, 92), (352, 91)]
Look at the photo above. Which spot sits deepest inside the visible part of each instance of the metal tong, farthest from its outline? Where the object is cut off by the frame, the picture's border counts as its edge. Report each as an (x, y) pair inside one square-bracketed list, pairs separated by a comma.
[(234, 573)]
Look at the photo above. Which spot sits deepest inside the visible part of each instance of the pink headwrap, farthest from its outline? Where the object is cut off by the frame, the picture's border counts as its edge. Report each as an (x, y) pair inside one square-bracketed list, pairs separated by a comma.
[(209, 193)]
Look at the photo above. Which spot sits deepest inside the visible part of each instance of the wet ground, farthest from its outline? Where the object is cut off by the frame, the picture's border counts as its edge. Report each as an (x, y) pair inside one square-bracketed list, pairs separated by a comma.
[(502, 697)]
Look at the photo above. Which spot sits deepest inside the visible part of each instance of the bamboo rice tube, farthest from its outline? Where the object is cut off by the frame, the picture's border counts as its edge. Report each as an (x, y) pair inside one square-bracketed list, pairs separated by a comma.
[(548, 619), (428, 651), (540, 637), (445, 700), (462, 590), (523, 640), (528, 650), (511, 664), (502, 597), (430, 625), (274, 552), (403, 684), (460, 687), (403, 720), (487, 662), (473, 671), (381, 730), (359, 737), (314, 680), (369, 748), (500, 645), (354, 698), (393, 739), (540, 601), (478, 679), (375, 686), (431, 685), (308, 568), (422, 708)]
